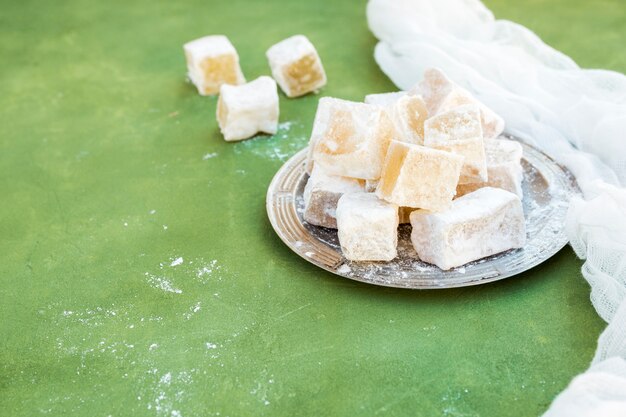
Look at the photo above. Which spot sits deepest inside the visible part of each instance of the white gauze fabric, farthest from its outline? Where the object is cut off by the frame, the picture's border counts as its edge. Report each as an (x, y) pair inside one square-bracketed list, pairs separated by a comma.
[(578, 116)]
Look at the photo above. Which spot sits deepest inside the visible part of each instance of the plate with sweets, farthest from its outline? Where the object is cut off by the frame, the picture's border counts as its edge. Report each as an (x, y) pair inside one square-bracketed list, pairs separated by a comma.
[(547, 188)]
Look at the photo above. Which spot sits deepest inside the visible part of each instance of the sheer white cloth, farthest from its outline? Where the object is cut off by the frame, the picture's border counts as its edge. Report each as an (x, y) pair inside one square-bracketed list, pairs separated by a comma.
[(578, 116)]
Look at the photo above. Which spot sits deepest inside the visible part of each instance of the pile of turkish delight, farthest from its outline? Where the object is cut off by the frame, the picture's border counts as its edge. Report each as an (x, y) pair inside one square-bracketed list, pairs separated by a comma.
[(432, 157)]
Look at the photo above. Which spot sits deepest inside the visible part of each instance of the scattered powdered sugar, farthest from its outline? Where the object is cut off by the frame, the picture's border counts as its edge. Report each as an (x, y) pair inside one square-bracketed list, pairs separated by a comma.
[(280, 146), (162, 283), (167, 391), (177, 261), (209, 156), (192, 310), (176, 269), (205, 272), (93, 317), (85, 336), (344, 269)]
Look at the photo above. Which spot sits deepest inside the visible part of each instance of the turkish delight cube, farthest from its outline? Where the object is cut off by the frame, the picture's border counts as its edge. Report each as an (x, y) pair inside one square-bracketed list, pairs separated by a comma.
[(244, 110), (296, 66), (407, 113), (419, 177), (367, 227), (459, 131), (211, 62), (504, 169), (321, 194), (350, 139), (483, 223), (441, 94)]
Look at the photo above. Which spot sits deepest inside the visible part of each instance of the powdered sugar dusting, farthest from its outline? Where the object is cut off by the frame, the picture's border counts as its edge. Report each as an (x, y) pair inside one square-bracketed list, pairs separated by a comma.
[(162, 283), (289, 139)]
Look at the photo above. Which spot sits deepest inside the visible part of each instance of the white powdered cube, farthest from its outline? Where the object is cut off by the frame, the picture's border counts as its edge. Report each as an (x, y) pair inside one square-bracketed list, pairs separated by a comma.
[(419, 177), (350, 139), (367, 227), (407, 113), (244, 110), (441, 94), (504, 168), (384, 99), (296, 66), (321, 194), (459, 131), (479, 224), (211, 62)]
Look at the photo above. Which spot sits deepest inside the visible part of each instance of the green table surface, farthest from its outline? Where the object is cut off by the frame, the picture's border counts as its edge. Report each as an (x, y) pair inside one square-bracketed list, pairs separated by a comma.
[(112, 168)]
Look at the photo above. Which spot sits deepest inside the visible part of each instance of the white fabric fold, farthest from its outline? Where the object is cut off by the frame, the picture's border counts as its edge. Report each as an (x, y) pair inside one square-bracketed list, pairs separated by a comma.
[(578, 116)]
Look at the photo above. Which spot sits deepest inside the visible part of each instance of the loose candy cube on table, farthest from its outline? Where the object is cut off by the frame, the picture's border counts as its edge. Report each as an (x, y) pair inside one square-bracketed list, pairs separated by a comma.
[(296, 66), (504, 169), (419, 177), (441, 94), (211, 62), (459, 131), (349, 139), (483, 223), (244, 110), (367, 227), (321, 194)]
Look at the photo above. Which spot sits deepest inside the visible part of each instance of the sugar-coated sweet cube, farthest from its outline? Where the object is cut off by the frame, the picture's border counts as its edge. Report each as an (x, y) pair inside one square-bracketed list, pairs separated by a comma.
[(441, 94), (483, 223), (350, 139), (296, 66), (321, 194), (384, 99), (244, 110), (211, 62), (407, 113), (367, 227), (504, 169), (457, 124), (419, 177), (459, 131)]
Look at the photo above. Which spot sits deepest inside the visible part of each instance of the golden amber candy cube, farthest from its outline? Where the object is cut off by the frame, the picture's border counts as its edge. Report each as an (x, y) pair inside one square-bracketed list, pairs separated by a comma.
[(211, 62), (459, 131), (296, 66), (349, 139), (419, 177)]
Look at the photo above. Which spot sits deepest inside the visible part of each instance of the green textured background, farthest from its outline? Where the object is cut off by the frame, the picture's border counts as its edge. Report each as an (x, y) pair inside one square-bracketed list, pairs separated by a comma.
[(111, 167)]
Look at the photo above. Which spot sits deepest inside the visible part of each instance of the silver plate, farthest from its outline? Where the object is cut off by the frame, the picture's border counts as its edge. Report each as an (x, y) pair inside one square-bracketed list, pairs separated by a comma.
[(548, 187)]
